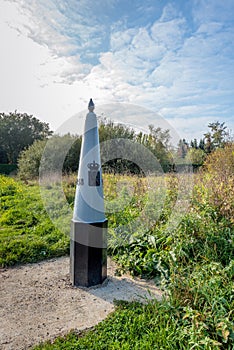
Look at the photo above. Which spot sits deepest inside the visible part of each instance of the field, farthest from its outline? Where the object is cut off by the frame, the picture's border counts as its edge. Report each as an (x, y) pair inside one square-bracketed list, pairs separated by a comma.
[(174, 229)]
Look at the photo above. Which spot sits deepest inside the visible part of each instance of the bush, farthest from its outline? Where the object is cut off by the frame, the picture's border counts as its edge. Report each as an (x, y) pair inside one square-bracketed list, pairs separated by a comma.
[(220, 163), (29, 160), (62, 154), (196, 156), (218, 181)]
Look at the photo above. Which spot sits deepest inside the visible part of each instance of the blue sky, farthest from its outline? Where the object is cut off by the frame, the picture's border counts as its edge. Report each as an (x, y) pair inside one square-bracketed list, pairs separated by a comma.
[(175, 58)]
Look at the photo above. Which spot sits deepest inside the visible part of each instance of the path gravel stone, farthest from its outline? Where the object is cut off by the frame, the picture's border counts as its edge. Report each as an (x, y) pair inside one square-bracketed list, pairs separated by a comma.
[(38, 303)]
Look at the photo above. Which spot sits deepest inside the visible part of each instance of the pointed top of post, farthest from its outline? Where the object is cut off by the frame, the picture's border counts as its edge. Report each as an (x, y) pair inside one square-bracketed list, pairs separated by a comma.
[(91, 105)]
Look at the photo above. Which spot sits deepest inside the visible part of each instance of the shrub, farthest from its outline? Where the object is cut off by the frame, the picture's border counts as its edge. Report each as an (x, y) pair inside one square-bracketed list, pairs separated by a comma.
[(62, 154), (221, 162), (29, 160), (218, 181)]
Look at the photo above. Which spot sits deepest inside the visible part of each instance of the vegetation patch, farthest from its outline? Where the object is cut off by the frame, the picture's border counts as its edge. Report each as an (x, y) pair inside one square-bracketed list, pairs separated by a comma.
[(26, 232)]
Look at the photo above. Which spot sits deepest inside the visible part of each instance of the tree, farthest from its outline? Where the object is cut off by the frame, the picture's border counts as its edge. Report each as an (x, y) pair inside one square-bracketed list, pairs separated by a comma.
[(193, 143), (183, 148), (196, 156), (208, 143), (108, 130), (18, 131), (111, 136), (219, 170), (216, 137), (202, 144), (157, 141)]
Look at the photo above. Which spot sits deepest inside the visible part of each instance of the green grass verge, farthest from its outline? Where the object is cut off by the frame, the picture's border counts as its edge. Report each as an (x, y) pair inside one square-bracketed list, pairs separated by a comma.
[(134, 326), (131, 326), (26, 232)]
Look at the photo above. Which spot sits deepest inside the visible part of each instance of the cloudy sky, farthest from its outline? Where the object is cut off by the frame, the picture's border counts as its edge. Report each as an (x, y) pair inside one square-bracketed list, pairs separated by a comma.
[(175, 58)]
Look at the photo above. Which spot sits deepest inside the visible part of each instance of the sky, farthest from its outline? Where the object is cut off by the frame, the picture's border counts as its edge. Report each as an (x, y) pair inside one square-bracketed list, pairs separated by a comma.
[(173, 58)]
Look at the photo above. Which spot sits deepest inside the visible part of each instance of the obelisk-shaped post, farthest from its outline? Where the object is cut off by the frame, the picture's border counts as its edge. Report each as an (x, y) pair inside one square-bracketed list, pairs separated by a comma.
[(88, 244)]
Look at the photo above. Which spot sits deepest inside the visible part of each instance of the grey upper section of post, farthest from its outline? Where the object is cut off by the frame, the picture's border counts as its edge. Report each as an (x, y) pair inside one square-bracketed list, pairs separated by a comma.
[(89, 202)]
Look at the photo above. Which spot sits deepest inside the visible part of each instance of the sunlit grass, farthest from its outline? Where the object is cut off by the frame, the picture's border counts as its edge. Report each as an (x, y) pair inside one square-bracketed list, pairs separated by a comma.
[(26, 232)]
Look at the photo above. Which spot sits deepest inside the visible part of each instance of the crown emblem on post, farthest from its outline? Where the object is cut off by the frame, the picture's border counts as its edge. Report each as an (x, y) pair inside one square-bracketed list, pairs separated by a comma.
[(93, 166)]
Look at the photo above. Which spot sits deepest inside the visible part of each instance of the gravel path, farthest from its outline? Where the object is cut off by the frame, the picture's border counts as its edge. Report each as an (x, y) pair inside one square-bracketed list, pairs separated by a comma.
[(37, 301)]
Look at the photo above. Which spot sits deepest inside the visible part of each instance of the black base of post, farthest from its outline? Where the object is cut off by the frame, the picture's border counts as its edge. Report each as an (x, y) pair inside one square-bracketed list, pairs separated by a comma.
[(88, 253)]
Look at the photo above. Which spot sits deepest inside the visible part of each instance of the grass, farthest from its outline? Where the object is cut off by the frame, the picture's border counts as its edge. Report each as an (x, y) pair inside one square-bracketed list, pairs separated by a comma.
[(156, 325), (131, 326), (26, 232), (193, 261)]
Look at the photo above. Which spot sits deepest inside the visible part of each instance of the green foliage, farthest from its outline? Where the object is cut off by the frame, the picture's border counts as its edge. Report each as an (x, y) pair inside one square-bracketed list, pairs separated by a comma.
[(216, 137), (29, 160), (196, 239), (205, 294), (195, 262), (149, 146), (196, 156), (18, 131), (26, 232), (108, 130), (62, 153), (157, 141), (218, 181)]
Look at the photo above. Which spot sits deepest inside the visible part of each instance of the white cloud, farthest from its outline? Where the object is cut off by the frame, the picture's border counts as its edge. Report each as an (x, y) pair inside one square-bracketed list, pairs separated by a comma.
[(41, 25), (30, 73), (122, 38), (62, 54), (64, 27), (169, 34), (210, 10)]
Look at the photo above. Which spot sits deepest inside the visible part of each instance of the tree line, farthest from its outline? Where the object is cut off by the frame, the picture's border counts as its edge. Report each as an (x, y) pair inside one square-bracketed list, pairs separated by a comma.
[(196, 151), (23, 139), (17, 132)]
